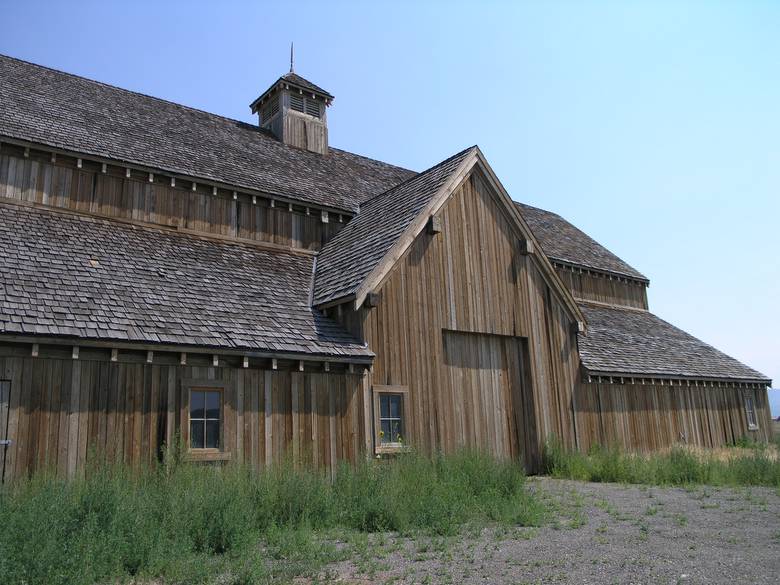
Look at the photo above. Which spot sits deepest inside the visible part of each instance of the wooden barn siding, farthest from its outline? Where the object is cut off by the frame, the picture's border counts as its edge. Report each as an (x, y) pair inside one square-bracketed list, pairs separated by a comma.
[(470, 278), (602, 289), (114, 195), (645, 418), (63, 409)]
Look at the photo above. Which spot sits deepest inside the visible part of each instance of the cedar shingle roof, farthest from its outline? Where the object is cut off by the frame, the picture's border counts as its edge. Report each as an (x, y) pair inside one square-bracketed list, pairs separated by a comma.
[(71, 275), (625, 341), (345, 262), (561, 240), (64, 111), (295, 79)]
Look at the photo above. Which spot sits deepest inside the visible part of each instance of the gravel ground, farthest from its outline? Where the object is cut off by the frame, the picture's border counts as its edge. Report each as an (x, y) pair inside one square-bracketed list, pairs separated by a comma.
[(602, 533)]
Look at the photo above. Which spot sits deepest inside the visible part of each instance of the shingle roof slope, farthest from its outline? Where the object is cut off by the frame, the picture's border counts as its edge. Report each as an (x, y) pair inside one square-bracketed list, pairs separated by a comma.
[(627, 341), (345, 262), (64, 111), (72, 275), (561, 240)]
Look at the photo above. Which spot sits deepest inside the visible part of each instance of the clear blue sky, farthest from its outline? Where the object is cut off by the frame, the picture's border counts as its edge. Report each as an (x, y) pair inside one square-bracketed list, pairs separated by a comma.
[(654, 127)]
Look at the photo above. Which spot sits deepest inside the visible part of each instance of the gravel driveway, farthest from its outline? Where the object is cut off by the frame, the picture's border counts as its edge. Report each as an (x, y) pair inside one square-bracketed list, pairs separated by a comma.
[(603, 533)]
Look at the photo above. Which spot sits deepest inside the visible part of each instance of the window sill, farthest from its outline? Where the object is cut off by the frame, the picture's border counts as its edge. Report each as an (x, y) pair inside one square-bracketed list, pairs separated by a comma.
[(207, 455), (390, 448), (752, 427)]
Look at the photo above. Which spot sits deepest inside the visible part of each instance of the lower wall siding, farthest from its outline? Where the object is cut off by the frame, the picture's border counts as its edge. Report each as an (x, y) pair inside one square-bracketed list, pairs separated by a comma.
[(63, 410), (645, 418)]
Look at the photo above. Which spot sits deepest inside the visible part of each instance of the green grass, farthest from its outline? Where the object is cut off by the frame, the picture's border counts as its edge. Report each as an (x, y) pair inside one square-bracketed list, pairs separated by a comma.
[(678, 467), (192, 523)]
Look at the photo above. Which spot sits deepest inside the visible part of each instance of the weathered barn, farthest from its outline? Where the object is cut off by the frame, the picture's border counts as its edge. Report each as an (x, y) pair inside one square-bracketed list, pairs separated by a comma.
[(167, 273)]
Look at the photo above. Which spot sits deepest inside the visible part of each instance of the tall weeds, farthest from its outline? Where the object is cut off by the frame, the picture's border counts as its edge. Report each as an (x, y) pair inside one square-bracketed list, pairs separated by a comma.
[(187, 523), (679, 466)]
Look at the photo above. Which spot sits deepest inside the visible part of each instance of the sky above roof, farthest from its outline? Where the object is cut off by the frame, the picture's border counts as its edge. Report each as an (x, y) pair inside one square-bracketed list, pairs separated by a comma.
[(652, 127)]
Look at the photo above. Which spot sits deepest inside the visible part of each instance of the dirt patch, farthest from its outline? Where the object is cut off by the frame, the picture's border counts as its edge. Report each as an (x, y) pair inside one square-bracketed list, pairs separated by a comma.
[(601, 533)]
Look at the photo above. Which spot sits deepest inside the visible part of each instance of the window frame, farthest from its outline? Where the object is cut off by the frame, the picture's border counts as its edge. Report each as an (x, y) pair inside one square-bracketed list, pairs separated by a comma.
[(391, 447), (751, 412), (204, 453)]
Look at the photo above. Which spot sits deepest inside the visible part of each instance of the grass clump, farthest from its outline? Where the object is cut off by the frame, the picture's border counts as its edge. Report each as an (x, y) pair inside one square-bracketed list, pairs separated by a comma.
[(679, 466), (194, 523)]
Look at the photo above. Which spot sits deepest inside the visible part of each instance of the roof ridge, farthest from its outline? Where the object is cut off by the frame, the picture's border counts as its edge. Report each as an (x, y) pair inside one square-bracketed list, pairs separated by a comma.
[(418, 175)]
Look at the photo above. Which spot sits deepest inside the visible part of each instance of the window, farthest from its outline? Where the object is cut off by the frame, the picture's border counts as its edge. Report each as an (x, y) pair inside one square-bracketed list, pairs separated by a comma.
[(205, 419), (750, 411), (390, 429), (391, 424)]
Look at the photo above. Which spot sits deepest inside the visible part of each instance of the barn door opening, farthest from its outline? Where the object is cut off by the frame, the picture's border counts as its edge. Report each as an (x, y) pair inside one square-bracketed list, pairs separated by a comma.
[(5, 440)]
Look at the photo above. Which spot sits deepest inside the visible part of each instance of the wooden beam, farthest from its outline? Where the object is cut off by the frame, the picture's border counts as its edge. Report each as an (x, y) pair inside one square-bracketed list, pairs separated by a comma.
[(526, 246), (372, 300), (434, 225)]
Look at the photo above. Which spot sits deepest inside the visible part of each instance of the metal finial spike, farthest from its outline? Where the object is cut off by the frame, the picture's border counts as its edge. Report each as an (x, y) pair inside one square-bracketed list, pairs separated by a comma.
[(292, 58)]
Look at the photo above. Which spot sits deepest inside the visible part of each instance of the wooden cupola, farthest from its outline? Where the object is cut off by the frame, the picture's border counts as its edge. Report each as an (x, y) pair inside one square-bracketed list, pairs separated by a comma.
[(294, 110)]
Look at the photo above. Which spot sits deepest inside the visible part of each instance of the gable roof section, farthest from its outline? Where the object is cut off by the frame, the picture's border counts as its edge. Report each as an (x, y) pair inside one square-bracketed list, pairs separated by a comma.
[(346, 262), (631, 342), (359, 257), (563, 241), (78, 276), (63, 111)]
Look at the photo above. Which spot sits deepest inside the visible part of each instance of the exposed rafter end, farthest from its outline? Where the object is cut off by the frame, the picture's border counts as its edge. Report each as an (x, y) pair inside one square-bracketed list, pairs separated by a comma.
[(183, 359), (75, 353), (35, 350), (245, 362), (274, 364), (149, 357), (114, 354)]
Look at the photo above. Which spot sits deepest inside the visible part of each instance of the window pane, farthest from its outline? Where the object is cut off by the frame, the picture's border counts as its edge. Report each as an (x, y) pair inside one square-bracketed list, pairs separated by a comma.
[(395, 406), (395, 435), (212, 404), (212, 434), (384, 405), (197, 402), (196, 434), (384, 437)]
